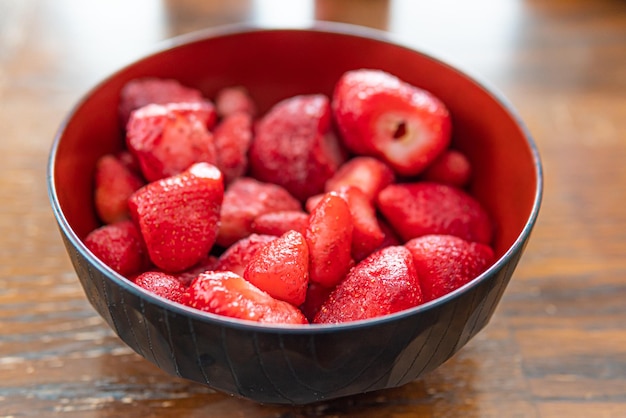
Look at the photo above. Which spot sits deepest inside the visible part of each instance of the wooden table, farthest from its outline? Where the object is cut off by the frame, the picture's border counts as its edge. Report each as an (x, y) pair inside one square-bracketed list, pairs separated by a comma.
[(556, 346)]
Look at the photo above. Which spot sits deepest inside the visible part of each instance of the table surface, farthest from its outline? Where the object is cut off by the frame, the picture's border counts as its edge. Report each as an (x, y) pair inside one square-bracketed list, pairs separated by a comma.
[(556, 346)]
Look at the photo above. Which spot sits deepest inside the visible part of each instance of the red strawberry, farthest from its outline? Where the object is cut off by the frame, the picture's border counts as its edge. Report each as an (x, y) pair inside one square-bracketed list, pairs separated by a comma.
[(329, 238), (380, 115), (279, 222), (295, 147), (129, 161), (316, 295), (167, 139), (232, 100), (281, 268), (424, 208), (446, 262), (232, 138), (161, 284), (368, 174), (114, 183), (237, 257), (383, 283), (144, 91), (244, 200), (119, 246), (208, 263), (179, 215), (225, 293), (451, 167)]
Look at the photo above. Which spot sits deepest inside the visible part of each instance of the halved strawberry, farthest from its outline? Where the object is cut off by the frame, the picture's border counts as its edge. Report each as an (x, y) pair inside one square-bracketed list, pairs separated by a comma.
[(281, 268), (380, 115), (316, 295), (383, 283), (295, 147), (367, 173), (179, 216), (445, 262), (232, 138), (144, 91), (237, 257), (114, 183), (119, 246), (244, 200), (167, 139), (225, 293), (329, 238), (236, 99), (161, 284), (279, 222), (424, 208), (451, 167)]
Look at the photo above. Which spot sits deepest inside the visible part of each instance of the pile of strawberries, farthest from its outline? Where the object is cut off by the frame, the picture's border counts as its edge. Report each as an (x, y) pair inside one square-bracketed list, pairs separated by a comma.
[(322, 210)]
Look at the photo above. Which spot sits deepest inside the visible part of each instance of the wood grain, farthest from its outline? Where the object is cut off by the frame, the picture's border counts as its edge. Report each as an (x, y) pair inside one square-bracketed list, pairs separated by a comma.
[(556, 347)]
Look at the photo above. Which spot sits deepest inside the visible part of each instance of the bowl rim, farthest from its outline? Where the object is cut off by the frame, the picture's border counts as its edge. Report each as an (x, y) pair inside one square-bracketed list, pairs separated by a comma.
[(336, 28)]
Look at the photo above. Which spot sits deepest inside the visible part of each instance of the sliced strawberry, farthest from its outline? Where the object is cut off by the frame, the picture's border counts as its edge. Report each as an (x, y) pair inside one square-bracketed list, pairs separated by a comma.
[(424, 208), (114, 183), (451, 167), (329, 238), (129, 161), (279, 222), (244, 200), (119, 246), (230, 100), (295, 147), (281, 268), (208, 263), (232, 138), (367, 173), (383, 283), (161, 284), (316, 295), (445, 262), (178, 216), (380, 115), (144, 91), (237, 257), (167, 139), (225, 293)]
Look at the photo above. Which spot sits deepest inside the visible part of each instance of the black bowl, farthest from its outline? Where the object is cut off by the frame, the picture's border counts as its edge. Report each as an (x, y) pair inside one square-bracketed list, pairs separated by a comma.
[(282, 364)]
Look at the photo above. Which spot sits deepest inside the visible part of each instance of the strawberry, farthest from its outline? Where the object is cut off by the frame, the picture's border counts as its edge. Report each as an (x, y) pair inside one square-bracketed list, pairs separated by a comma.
[(451, 167), (244, 200), (446, 262), (382, 116), (225, 293), (178, 216), (119, 246), (237, 256), (383, 283), (316, 295), (161, 284), (114, 183), (144, 91), (232, 138), (329, 238), (208, 263), (281, 268), (367, 173), (279, 222), (230, 100), (295, 147), (167, 139), (424, 208)]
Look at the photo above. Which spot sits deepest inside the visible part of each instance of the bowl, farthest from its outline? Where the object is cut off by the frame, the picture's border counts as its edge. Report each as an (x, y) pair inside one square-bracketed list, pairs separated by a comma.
[(299, 364)]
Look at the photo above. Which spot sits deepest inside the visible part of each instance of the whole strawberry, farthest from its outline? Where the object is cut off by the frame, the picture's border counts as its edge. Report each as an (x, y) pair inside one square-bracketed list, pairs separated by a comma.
[(445, 262), (114, 183), (161, 284), (179, 216), (382, 116)]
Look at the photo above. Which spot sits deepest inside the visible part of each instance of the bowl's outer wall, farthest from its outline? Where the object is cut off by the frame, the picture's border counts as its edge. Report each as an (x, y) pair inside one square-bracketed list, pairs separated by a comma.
[(287, 366)]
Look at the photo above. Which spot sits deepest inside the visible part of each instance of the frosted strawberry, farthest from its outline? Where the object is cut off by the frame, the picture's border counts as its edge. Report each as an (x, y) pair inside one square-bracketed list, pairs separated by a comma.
[(167, 139), (281, 268), (179, 216), (225, 293), (114, 183), (231, 100), (382, 116), (295, 147), (244, 200), (232, 138), (383, 283), (161, 284), (451, 167), (237, 257), (445, 262), (279, 222), (329, 238), (119, 246), (366, 173)]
